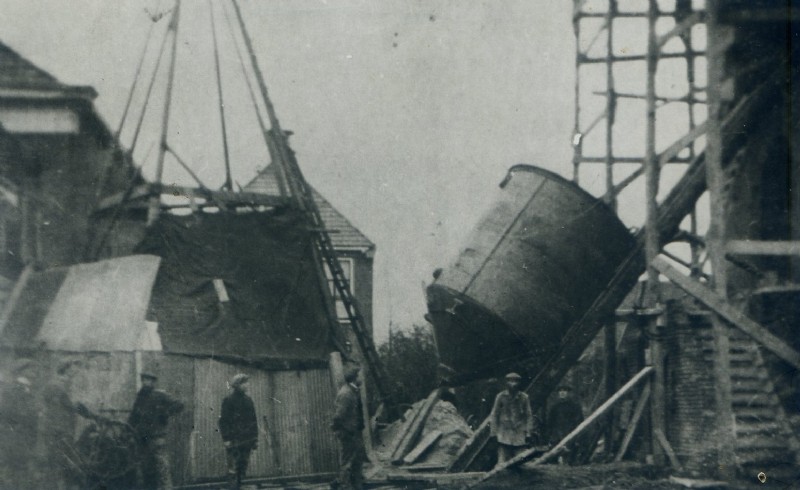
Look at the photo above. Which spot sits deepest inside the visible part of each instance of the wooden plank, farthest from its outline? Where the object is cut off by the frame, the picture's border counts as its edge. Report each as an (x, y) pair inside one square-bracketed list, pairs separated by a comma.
[(667, 447), (249, 198), (16, 292), (423, 446), (634, 422), (435, 477), (681, 143), (407, 438), (681, 28), (780, 15), (115, 199), (423, 467), (367, 432), (728, 312), (762, 247), (601, 410), (695, 483), (337, 370)]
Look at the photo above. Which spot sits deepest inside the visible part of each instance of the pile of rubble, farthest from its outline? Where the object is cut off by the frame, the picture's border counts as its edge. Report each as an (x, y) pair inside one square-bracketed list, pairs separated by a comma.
[(429, 435)]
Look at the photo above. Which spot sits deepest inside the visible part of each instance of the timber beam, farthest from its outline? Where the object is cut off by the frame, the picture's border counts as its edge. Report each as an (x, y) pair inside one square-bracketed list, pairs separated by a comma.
[(221, 197), (733, 315), (762, 247)]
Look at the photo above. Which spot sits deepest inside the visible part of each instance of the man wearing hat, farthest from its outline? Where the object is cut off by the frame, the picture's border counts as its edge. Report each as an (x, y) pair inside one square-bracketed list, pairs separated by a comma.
[(511, 420), (562, 418), (17, 426), (149, 417), (348, 422), (57, 427), (238, 427)]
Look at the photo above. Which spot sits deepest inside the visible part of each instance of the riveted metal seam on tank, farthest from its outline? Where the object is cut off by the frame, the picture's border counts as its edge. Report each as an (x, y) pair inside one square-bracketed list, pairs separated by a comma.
[(503, 236)]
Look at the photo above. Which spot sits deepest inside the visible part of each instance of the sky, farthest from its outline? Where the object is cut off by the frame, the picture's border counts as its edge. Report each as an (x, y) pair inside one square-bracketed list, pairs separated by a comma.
[(406, 114)]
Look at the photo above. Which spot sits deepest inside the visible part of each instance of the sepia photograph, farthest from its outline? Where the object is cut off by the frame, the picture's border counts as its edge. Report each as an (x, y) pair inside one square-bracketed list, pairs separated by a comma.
[(399, 244)]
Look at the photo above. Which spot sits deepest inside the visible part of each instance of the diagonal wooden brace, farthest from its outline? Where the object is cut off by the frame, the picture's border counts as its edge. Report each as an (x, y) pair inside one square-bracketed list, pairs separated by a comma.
[(728, 312)]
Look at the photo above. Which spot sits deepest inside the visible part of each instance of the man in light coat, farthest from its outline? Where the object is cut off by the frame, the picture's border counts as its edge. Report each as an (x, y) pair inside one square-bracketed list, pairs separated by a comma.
[(348, 422), (511, 420)]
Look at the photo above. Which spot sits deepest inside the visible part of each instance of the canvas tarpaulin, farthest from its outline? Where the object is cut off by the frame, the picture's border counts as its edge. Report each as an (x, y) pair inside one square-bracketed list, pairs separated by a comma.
[(242, 285), (97, 306)]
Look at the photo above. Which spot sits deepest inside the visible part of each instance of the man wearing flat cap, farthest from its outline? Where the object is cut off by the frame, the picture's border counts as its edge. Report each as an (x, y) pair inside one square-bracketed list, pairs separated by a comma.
[(57, 421), (17, 425), (511, 420), (348, 422), (238, 427), (562, 418), (149, 418)]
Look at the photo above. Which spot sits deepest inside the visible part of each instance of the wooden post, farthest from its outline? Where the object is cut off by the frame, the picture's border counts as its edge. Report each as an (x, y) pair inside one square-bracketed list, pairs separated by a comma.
[(634, 422), (154, 205), (611, 380), (16, 292), (337, 369), (611, 108), (367, 432), (652, 239), (715, 179)]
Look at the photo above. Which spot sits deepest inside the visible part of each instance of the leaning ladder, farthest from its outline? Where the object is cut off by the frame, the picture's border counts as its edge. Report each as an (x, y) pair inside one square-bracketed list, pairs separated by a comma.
[(283, 156), (322, 241)]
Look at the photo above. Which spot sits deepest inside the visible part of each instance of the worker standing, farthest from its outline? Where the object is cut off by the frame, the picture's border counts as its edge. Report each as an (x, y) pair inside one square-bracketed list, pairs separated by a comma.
[(511, 420), (348, 422), (239, 429), (17, 426), (562, 418), (149, 418), (57, 428)]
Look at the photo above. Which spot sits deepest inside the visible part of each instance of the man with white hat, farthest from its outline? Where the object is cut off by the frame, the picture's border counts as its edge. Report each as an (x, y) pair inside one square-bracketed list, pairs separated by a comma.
[(511, 420), (238, 427)]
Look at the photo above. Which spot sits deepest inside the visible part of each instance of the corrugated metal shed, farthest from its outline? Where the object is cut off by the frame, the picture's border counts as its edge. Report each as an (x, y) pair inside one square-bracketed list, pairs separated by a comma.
[(99, 306), (343, 234), (293, 409)]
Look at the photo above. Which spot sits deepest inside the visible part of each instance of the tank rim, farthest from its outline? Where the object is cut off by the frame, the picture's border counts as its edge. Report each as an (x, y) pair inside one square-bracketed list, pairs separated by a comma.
[(527, 167)]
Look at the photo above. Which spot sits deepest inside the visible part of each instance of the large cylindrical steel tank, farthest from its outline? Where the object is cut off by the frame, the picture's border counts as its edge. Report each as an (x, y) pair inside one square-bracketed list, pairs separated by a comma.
[(532, 267)]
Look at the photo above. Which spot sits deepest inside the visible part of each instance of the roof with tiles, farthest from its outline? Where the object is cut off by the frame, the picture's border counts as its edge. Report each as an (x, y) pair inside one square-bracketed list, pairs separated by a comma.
[(343, 234), (18, 73)]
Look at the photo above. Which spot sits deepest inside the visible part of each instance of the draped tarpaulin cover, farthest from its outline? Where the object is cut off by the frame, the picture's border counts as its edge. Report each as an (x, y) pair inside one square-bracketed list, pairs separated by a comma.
[(276, 307)]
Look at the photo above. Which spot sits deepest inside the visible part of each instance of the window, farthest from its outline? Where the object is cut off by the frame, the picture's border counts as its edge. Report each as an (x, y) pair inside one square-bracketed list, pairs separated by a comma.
[(347, 267)]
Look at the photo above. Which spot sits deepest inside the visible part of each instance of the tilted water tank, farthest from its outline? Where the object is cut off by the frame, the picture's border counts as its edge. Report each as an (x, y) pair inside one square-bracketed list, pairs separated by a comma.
[(532, 266)]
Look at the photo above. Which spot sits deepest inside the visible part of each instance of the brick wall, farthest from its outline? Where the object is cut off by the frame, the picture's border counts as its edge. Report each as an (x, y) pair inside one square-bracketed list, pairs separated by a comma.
[(690, 395)]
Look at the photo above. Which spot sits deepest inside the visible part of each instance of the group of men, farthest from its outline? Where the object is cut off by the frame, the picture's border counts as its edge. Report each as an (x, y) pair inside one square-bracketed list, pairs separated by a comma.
[(36, 443), (53, 425), (152, 410), (512, 421)]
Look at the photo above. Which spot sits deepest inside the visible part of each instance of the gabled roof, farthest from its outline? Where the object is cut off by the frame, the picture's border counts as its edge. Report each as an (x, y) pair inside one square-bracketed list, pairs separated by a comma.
[(17, 73), (343, 234)]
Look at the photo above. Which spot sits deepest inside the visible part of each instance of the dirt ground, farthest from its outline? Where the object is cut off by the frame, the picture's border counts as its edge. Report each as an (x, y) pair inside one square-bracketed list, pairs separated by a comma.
[(605, 477)]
